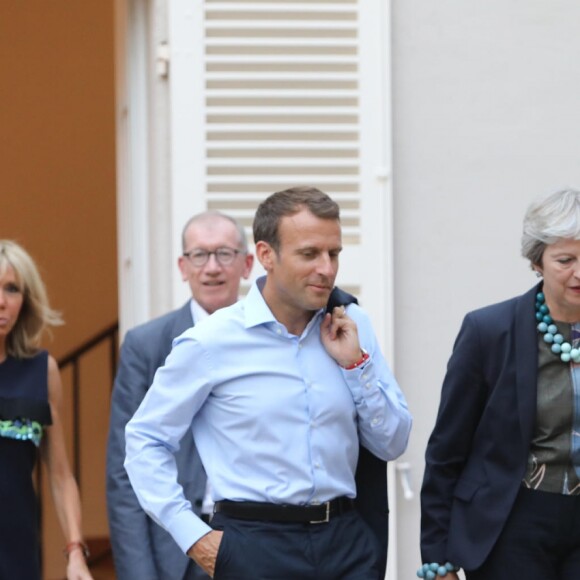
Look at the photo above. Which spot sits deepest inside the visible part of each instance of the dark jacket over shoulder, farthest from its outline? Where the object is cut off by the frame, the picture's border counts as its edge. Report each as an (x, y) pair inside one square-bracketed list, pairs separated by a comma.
[(371, 472), (141, 548), (477, 454)]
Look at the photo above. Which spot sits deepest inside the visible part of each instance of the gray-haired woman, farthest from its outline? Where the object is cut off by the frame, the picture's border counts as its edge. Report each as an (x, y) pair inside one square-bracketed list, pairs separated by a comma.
[(501, 492)]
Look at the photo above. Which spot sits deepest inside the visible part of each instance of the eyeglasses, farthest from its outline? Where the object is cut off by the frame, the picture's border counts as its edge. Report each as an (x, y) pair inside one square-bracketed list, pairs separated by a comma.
[(224, 256)]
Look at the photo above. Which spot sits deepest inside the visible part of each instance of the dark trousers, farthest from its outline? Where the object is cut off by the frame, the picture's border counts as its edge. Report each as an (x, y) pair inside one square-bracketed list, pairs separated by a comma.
[(342, 549), (540, 541)]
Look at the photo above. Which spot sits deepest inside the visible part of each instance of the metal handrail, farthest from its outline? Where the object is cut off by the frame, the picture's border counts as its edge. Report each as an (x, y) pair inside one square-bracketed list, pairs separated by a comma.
[(73, 359)]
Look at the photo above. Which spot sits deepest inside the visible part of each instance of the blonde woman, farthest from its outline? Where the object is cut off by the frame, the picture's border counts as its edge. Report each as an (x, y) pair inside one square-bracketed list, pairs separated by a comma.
[(30, 399)]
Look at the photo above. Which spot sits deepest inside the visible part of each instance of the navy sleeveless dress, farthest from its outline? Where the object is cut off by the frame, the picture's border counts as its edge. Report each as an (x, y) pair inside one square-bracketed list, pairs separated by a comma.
[(24, 411)]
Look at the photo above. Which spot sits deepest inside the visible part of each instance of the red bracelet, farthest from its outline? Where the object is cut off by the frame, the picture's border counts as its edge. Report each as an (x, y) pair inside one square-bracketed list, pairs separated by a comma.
[(358, 363), (71, 546)]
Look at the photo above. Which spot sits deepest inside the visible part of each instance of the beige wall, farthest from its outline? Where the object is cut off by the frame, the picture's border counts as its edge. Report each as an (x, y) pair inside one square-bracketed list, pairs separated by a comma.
[(57, 188)]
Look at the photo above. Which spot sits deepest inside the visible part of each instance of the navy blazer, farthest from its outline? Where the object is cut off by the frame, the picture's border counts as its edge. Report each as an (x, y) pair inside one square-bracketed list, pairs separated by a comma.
[(477, 454), (152, 554)]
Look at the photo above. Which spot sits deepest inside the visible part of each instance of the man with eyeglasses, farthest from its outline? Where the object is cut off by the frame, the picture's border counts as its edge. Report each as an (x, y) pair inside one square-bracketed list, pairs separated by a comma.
[(285, 395), (215, 259)]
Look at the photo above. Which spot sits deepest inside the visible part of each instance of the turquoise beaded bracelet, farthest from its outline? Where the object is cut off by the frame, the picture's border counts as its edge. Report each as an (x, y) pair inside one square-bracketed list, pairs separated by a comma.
[(431, 571)]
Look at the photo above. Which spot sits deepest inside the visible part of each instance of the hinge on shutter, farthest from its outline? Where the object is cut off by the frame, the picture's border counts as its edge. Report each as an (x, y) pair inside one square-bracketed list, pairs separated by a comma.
[(382, 173), (162, 60)]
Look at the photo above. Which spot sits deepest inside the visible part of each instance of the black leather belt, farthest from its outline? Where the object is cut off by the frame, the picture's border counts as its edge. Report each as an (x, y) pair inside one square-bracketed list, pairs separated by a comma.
[(307, 514)]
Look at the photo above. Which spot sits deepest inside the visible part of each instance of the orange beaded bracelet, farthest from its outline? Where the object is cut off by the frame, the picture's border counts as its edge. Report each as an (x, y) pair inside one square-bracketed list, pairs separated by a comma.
[(71, 546)]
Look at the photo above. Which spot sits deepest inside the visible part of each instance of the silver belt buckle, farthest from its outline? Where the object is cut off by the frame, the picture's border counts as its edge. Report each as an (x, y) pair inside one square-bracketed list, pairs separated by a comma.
[(326, 517)]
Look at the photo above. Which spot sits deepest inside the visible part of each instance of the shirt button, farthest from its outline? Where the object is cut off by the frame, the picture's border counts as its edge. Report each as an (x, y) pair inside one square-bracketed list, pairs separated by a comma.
[(278, 331), (374, 421), (368, 385)]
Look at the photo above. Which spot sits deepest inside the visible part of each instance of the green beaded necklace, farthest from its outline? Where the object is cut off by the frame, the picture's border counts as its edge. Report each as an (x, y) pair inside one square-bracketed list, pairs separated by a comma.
[(551, 334)]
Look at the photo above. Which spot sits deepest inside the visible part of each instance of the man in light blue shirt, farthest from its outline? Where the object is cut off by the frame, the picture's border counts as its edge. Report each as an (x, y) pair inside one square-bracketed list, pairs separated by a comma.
[(284, 396)]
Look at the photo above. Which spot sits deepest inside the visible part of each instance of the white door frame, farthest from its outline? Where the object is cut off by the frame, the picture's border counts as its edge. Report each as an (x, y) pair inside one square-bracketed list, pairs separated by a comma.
[(131, 46)]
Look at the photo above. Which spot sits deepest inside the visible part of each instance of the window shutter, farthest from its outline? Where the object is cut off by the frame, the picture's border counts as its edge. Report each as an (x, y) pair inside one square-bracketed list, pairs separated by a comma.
[(281, 103), (267, 95)]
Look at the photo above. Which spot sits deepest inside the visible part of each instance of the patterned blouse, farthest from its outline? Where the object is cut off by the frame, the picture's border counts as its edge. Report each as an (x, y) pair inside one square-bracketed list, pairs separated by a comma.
[(554, 459)]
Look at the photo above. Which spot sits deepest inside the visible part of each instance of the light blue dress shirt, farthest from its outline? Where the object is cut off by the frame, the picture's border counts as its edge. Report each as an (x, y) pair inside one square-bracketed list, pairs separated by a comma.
[(274, 417)]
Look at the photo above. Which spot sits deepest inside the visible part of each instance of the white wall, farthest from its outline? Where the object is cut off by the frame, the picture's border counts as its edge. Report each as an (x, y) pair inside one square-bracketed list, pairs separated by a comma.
[(486, 117)]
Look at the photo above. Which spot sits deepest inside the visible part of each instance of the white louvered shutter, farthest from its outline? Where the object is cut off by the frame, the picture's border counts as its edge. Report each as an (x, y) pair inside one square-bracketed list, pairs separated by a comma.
[(267, 95)]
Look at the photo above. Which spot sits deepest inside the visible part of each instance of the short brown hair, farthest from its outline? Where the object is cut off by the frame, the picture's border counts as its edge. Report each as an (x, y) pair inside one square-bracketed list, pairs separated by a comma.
[(289, 202)]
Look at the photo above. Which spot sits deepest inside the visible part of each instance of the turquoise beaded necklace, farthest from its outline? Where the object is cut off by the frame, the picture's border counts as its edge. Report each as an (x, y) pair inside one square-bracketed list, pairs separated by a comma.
[(551, 334)]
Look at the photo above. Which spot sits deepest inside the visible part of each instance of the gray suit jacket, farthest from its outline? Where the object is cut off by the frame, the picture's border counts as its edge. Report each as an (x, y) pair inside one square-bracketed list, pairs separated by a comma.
[(141, 548)]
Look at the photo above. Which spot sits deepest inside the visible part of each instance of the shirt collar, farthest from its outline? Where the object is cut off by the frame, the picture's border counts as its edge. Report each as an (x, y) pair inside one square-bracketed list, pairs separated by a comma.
[(257, 311), (255, 308), (197, 311)]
